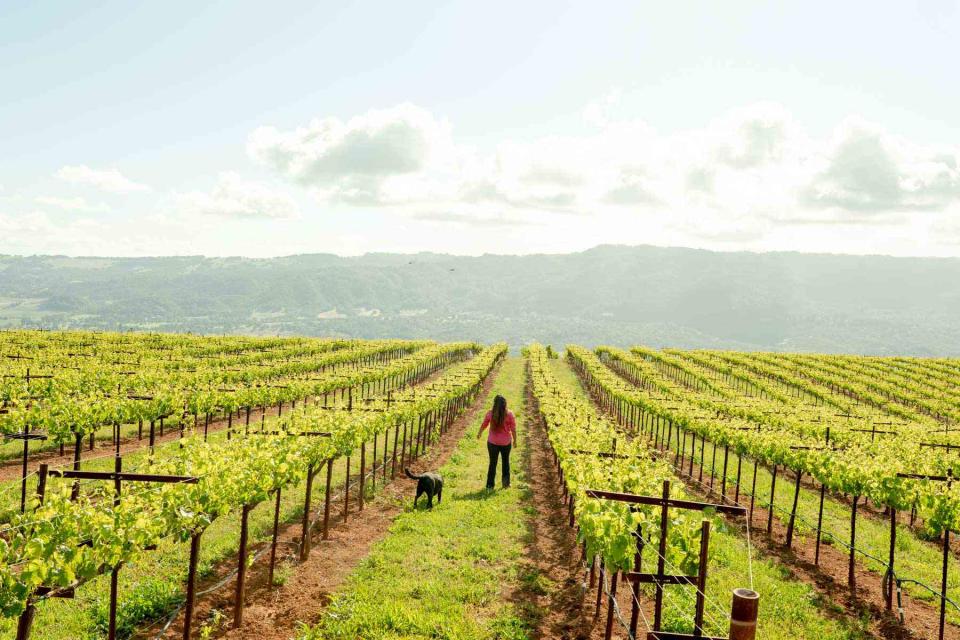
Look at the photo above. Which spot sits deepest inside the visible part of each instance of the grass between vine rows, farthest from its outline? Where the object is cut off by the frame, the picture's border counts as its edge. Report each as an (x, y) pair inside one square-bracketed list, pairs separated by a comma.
[(443, 573), (789, 608)]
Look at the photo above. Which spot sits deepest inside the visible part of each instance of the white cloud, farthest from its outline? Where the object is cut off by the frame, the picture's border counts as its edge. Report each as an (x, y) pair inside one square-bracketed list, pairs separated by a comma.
[(631, 192), (364, 160), (32, 222), (73, 204), (739, 178), (870, 171), (33, 232), (110, 180), (234, 197), (471, 220), (749, 179)]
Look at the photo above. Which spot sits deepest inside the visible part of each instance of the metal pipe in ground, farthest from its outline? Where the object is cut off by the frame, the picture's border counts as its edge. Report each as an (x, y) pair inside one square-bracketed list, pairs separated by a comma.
[(743, 614)]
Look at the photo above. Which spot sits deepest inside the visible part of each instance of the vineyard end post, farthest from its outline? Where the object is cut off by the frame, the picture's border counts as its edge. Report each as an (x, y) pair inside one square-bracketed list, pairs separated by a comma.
[(77, 446), (363, 475), (23, 475), (662, 554), (793, 511)]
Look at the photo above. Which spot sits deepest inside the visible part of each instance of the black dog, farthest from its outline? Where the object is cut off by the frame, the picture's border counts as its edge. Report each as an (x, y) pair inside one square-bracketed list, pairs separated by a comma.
[(429, 483)]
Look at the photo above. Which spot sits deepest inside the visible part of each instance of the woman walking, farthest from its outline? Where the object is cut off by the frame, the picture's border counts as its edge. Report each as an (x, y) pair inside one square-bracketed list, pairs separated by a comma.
[(503, 435)]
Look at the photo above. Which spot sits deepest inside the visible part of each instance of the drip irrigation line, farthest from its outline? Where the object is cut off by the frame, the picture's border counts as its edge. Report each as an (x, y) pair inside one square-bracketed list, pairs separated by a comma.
[(902, 581), (223, 581)]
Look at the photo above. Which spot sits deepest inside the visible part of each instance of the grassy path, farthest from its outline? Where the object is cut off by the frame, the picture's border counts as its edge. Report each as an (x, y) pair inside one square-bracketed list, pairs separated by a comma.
[(443, 573), (789, 608)]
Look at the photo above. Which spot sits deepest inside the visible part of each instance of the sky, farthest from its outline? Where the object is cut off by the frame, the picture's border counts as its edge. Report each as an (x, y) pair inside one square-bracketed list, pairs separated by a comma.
[(264, 129)]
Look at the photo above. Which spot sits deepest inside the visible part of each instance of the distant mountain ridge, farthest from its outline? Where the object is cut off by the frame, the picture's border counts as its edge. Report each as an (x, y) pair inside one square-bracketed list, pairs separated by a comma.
[(609, 294)]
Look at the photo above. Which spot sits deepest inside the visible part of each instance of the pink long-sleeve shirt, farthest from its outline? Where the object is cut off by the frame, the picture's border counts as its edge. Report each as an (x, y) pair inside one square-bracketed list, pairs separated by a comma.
[(505, 434)]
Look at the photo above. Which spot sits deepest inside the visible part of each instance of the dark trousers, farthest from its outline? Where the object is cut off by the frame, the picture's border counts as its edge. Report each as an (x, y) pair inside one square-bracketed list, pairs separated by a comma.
[(498, 450)]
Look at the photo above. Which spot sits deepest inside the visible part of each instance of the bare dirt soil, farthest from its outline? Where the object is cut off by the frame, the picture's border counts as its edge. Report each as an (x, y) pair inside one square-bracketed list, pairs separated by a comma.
[(560, 607)]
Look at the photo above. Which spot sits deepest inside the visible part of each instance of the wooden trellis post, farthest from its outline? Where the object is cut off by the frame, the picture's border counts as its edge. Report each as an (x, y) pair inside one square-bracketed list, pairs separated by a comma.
[(117, 476), (305, 541), (889, 575), (26, 437), (346, 490), (25, 622), (276, 533), (241, 567), (326, 501), (661, 579), (363, 475), (311, 471), (823, 495), (191, 583), (773, 492), (946, 547)]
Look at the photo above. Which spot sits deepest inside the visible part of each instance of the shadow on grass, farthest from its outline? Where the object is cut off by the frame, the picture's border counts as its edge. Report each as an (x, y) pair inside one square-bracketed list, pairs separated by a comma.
[(422, 505), (480, 494)]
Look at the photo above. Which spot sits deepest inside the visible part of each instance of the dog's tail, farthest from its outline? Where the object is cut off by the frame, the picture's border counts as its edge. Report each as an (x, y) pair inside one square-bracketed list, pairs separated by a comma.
[(411, 475)]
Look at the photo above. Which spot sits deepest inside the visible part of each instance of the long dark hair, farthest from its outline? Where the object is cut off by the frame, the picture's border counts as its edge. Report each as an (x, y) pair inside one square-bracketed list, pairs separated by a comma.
[(499, 413)]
